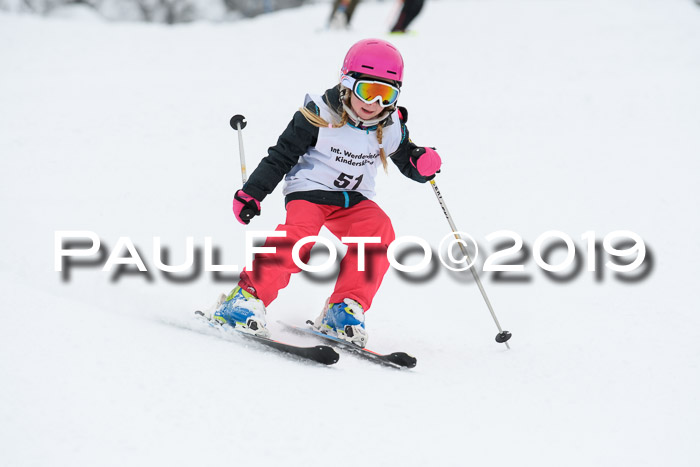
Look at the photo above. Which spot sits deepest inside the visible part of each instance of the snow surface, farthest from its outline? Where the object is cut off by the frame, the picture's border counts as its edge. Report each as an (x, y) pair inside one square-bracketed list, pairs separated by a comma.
[(570, 115)]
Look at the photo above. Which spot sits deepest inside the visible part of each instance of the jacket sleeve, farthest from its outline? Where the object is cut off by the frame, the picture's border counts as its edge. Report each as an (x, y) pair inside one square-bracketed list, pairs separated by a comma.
[(402, 156), (292, 144)]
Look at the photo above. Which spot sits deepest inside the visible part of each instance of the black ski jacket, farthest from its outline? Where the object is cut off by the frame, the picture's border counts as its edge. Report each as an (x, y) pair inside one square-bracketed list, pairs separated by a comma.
[(298, 137)]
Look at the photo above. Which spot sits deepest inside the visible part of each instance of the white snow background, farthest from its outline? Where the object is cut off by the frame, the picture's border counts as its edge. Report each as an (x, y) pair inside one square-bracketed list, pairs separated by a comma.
[(563, 115)]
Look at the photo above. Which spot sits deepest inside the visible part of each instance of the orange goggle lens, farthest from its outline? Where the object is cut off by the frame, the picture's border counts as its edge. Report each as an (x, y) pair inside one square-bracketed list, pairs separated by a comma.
[(370, 91)]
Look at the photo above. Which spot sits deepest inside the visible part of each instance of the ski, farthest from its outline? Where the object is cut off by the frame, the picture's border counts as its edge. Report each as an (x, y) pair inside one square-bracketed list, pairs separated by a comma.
[(319, 353), (396, 359)]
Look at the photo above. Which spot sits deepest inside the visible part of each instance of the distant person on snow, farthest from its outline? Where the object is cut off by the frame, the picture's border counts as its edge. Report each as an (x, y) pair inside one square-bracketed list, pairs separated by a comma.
[(342, 11), (410, 10), (328, 156)]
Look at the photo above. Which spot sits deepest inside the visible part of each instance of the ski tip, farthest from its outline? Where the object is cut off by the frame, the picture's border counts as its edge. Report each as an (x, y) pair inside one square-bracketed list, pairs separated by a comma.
[(326, 355), (403, 359)]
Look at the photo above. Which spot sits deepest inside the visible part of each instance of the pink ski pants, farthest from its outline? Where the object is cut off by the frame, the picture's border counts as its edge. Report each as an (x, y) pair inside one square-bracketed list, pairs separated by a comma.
[(271, 271)]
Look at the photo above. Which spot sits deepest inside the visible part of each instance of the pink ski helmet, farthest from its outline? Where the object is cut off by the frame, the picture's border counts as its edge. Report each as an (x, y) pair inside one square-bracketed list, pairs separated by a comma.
[(375, 57)]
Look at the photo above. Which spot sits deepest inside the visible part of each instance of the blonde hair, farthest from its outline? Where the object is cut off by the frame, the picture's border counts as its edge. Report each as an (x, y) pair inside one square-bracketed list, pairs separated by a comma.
[(318, 121)]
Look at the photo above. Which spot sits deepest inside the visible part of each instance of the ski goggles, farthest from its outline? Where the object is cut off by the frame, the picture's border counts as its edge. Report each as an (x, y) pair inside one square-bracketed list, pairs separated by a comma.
[(369, 91)]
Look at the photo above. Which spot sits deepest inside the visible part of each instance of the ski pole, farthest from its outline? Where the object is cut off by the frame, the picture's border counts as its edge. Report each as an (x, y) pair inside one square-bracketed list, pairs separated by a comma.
[(238, 122), (502, 336)]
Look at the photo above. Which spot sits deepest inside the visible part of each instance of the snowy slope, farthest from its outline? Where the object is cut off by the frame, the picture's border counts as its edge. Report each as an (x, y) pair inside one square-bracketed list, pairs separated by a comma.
[(572, 116)]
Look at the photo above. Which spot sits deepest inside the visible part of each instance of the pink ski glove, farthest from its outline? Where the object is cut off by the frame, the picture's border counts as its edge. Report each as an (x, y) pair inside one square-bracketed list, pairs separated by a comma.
[(426, 160), (245, 207)]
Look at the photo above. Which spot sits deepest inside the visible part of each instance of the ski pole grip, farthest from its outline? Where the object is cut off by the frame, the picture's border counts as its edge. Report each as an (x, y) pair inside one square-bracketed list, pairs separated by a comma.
[(247, 214), (237, 120)]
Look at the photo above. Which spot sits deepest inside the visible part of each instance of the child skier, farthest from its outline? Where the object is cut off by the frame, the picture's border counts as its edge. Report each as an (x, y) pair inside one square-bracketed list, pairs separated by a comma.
[(328, 156)]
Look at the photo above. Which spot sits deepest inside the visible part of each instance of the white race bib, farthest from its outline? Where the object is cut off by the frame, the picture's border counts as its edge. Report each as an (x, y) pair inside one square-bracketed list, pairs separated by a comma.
[(344, 159)]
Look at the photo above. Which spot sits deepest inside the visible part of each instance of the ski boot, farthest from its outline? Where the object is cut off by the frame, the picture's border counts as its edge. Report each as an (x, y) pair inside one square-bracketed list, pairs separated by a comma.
[(345, 320), (243, 310)]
